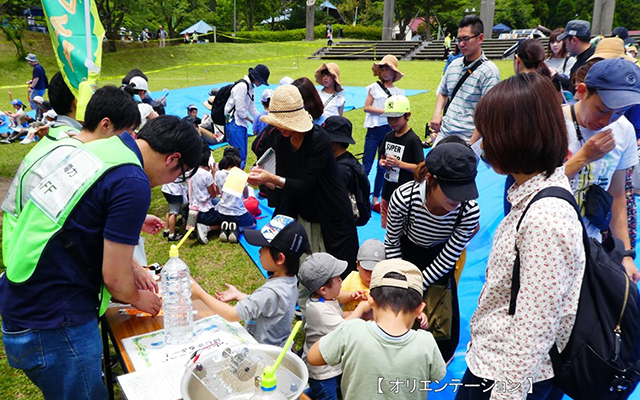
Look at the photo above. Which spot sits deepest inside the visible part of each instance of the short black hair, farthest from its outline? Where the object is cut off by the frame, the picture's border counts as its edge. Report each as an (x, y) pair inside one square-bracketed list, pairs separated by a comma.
[(474, 22), (110, 102), (229, 160), (60, 95), (168, 134), (291, 264), (134, 72), (398, 300)]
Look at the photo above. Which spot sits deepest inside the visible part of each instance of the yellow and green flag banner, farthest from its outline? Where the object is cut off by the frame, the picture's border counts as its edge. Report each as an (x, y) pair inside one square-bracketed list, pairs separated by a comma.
[(76, 35)]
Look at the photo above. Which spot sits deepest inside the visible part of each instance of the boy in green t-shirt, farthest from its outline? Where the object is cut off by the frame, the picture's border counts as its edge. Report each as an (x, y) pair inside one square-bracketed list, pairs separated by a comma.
[(376, 355)]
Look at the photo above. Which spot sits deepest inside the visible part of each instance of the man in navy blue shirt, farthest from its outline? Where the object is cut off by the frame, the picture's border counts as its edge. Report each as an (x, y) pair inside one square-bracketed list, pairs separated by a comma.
[(39, 82), (50, 321)]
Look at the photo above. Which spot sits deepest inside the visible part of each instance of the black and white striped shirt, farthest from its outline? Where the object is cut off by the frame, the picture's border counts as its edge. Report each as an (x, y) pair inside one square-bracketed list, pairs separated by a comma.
[(426, 229)]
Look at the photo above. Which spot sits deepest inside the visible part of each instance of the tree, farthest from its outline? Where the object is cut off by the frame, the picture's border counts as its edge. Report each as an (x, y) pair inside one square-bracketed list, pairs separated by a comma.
[(13, 29), (405, 11), (112, 13), (176, 11), (431, 7)]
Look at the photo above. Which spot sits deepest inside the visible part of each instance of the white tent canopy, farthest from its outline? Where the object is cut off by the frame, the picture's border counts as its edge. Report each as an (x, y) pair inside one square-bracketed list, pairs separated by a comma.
[(199, 27)]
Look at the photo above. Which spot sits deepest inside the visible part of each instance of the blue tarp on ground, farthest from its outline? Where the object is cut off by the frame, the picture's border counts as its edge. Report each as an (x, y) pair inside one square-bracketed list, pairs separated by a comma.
[(491, 188)]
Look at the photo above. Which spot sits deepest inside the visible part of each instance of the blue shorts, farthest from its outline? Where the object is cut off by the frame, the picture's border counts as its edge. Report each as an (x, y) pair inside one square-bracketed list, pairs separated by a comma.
[(214, 218)]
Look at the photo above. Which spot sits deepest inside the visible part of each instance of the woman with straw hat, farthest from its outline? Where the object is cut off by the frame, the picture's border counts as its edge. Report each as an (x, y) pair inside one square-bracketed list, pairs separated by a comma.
[(377, 127), (309, 187), (328, 75)]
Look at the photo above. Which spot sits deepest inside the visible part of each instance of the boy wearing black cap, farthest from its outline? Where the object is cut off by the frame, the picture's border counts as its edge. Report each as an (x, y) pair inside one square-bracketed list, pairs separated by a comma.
[(375, 354), (268, 312), (320, 273), (340, 130)]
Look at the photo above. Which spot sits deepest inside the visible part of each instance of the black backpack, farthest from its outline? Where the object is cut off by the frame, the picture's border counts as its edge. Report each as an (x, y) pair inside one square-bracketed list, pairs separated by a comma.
[(362, 189), (217, 108), (602, 358)]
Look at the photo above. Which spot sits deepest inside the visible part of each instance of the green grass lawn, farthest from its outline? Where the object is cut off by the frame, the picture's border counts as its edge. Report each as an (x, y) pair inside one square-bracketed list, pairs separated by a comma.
[(193, 65)]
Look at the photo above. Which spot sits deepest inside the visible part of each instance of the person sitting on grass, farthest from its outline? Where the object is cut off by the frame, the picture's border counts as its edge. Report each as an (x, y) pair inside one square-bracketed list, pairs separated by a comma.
[(268, 312), (356, 286), (320, 273), (374, 353), (18, 118), (230, 214), (203, 192)]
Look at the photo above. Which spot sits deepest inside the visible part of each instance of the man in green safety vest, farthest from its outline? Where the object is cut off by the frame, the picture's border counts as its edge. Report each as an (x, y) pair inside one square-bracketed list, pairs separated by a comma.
[(71, 220)]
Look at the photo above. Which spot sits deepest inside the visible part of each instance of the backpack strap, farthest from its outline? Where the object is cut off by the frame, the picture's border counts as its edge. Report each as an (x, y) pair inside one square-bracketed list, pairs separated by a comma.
[(233, 110), (553, 191), (329, 99), (463, 78)]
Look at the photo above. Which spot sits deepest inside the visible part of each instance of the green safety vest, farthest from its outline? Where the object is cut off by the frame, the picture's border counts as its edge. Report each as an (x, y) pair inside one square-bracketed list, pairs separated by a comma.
[(55, 131), (51, 181)]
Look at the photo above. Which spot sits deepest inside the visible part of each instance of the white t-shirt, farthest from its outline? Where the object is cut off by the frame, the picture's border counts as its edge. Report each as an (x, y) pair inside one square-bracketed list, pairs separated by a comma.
[(200, 196), (322, 317), (379, 97), (622, 157), (229, 204), (174, 188), (332, 107)]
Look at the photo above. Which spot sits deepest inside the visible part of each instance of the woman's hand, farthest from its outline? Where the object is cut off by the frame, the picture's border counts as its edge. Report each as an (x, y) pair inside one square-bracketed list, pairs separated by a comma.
[(259, 176)]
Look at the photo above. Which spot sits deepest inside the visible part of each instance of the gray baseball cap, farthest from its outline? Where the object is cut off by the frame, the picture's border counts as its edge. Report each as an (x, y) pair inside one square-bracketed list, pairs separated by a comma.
[(576, 27), (370, 253), (318, 268)]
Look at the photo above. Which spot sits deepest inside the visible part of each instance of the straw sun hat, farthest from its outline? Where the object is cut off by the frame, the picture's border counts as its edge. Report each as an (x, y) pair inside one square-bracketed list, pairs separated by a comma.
[(334, 70), (286, 110), (392, 62), (611, 48)]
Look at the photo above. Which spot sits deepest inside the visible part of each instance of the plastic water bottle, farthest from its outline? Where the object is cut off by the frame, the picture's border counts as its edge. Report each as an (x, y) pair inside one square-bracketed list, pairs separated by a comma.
[(176, 299)]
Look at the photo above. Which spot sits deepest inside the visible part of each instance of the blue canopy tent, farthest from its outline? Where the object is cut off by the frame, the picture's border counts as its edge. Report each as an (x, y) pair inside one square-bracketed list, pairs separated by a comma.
[(500, 28), (331, 10), (198, 27)]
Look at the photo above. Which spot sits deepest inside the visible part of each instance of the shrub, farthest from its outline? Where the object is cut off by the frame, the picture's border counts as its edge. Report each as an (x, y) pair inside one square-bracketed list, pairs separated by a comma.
[(319, 32)]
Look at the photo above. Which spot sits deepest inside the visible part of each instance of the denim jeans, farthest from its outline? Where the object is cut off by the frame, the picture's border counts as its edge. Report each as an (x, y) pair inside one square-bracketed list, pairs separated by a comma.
[(65, 363), (326, 389), (34, 93), (372, 142), (237, 137), (544, 390)]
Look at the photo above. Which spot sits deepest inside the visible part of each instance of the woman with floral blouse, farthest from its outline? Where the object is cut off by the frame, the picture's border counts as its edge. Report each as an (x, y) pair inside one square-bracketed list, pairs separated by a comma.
[(524, 135)]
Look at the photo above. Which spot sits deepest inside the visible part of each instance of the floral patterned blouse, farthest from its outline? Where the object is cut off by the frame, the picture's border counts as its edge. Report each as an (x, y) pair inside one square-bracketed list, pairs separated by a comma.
[(513, 351)]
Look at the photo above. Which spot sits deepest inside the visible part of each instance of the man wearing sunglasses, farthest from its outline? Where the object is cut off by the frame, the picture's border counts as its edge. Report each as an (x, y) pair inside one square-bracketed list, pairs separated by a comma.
[(464, 82), (68, 239), (610, 88)]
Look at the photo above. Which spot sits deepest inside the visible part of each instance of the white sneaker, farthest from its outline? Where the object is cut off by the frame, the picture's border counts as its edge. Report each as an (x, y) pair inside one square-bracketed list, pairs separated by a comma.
[(224, 231), (202, 230), (233, 232)]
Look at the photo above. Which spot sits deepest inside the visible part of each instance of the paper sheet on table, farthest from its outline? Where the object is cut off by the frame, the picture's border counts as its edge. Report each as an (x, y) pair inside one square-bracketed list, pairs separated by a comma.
[(236, 182), (149, 350), (158, 383)]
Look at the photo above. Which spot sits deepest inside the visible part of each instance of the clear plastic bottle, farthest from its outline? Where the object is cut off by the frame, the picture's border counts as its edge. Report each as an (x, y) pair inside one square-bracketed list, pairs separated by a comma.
[(176, 299)]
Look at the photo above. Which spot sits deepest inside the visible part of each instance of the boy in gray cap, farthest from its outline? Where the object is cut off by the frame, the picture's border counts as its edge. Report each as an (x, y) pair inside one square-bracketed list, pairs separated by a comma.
[(320, 273), (355, 287), (375, 354)]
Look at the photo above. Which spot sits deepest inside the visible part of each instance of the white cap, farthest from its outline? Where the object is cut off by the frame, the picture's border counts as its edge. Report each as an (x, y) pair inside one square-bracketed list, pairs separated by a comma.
[(38, 99), (139, 83), (51, 114), (266, 95), (287, 80)]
